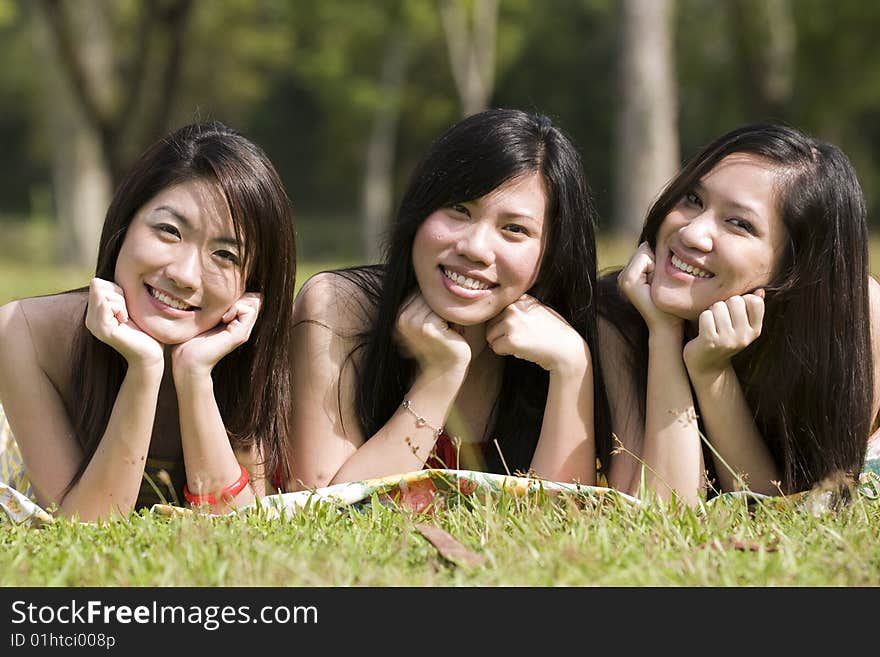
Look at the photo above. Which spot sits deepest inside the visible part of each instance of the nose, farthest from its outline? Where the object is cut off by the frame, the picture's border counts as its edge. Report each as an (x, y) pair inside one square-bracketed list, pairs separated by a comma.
[(475, 243), (185, 269), (698, 233)]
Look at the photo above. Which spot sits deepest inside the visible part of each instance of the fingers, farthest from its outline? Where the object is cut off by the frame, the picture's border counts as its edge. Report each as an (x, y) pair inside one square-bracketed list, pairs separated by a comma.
[(248, 305), (242, 315), (416, 316), (106, 307), (755, 309), (734, 323), (639, 268)]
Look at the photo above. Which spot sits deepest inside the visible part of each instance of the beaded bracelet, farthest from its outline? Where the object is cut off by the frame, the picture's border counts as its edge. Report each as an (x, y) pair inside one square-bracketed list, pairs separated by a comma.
[(420, 421), (226, 494)]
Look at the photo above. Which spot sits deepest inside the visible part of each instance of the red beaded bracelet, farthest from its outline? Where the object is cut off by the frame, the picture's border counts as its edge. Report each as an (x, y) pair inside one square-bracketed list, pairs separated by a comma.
[(226, 494)]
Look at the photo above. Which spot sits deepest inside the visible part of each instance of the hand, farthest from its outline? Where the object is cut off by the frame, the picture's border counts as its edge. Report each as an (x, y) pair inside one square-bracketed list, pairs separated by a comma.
[(200, 354), (726, 328), (107, 319), (427, 337), (635, 283), (529, 330)]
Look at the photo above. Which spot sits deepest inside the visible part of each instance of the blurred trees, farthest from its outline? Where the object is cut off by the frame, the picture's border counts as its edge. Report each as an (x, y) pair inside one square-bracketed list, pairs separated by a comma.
[(345, 95)]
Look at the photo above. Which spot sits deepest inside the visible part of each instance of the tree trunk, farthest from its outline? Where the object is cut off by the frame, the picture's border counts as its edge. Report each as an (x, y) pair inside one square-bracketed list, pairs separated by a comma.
[(81, 177), (646, 133), (471, 51), (766, 35), (379, 173)]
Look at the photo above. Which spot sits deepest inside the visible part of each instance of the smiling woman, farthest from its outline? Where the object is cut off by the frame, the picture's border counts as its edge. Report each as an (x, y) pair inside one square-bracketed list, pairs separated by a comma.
[(747, 316), (140, 388), (470, 347)]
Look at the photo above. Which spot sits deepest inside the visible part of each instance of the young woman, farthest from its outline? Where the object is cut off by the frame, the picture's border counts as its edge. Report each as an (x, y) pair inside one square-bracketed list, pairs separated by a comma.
[(470, 347), (171, 373), (744, 316)]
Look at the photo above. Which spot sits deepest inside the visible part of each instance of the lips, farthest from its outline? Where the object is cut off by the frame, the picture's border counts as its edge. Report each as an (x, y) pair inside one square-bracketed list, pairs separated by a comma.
[(169, 300), (688, 268), (465, 281)]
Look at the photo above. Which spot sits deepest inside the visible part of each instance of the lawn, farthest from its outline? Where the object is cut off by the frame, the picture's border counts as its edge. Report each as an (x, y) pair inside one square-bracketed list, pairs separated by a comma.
[(532, 541)]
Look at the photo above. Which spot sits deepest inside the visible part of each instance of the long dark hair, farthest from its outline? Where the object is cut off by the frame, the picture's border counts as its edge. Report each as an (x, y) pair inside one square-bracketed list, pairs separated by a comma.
[(469, 160), (252, 384), (808, 378)]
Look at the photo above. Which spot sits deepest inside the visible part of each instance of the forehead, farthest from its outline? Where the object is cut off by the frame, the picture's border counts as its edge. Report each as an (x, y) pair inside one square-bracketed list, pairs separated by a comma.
[(744, 178), (525, 194)]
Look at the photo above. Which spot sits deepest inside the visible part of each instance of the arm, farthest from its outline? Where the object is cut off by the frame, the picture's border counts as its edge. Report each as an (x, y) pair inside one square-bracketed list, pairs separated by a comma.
[(874, 313), (211, 463), (671, 445), (328, 446), (726, 329), (38, 417), (527, 329)]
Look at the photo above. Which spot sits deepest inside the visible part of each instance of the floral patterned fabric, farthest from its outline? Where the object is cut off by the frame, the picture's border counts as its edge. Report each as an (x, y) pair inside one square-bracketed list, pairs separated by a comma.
[(12, 470)]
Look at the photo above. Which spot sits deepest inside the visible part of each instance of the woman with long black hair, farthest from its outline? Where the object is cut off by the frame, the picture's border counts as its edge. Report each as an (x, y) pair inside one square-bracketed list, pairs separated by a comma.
[(746, 316), (471, 345)]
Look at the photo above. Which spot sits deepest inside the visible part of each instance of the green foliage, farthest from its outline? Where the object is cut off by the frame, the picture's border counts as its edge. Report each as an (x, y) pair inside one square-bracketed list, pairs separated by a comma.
[(534, 541)]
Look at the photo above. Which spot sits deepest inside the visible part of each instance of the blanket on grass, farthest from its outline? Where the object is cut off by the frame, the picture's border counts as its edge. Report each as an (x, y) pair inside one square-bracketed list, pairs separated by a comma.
[(422, 491)]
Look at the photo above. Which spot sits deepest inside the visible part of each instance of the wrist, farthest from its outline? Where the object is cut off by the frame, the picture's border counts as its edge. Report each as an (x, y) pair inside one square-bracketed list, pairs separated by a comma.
[(666, 333), (192, 379), (453, 375), (574, 365), (706, 374), (226, 495), (185, 371), (146, 370)]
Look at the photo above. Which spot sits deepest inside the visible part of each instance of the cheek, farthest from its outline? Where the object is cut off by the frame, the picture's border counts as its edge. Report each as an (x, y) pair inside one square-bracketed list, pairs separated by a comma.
[(430, 237), (524, 268)]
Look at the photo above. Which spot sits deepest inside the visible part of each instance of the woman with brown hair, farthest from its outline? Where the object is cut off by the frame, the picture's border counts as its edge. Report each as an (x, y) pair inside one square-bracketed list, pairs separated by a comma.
[(176, 357)]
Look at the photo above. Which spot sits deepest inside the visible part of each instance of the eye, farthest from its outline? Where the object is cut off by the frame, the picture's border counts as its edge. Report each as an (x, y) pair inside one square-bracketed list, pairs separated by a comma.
[(517, 229), (168, 229), (691, 198), (228, 256), (743, 225), (460, 209)]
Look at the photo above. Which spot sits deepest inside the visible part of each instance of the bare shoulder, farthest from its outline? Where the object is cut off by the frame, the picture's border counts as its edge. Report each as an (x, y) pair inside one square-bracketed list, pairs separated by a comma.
[(45, 324), (54, 320), (874, 299), (336, 301)]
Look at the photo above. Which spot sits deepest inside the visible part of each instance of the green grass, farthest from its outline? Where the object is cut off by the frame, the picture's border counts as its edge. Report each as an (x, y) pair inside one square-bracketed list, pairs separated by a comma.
[(536, 541)]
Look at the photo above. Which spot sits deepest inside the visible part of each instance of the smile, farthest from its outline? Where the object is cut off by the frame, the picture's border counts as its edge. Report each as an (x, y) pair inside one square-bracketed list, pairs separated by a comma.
[(464, 281), (168, 300), (689, 269)]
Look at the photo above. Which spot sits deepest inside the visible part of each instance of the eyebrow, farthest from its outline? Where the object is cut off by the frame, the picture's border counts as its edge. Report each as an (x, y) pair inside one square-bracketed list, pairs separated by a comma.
[(224, 240), (521, 215)]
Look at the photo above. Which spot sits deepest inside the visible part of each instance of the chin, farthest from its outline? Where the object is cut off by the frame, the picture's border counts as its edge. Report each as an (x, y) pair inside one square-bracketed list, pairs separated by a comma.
[(162, 335), (681, 308), (462, 319)]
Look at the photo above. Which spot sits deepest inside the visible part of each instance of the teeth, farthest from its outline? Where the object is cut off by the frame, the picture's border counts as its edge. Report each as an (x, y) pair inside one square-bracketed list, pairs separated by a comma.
[(690, 269), (169, 301), (464, 281)]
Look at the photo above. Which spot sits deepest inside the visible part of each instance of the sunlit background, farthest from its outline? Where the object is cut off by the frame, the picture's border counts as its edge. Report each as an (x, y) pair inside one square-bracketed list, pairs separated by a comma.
[(344, 95)]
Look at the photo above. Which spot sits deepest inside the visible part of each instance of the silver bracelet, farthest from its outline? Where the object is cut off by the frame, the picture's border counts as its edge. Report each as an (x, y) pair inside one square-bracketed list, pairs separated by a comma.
[(420, 421)]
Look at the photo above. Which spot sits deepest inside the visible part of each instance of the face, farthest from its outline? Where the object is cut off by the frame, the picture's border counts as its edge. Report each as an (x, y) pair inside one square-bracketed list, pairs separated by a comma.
[(724, 238), (475, 258), (179, 265)]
